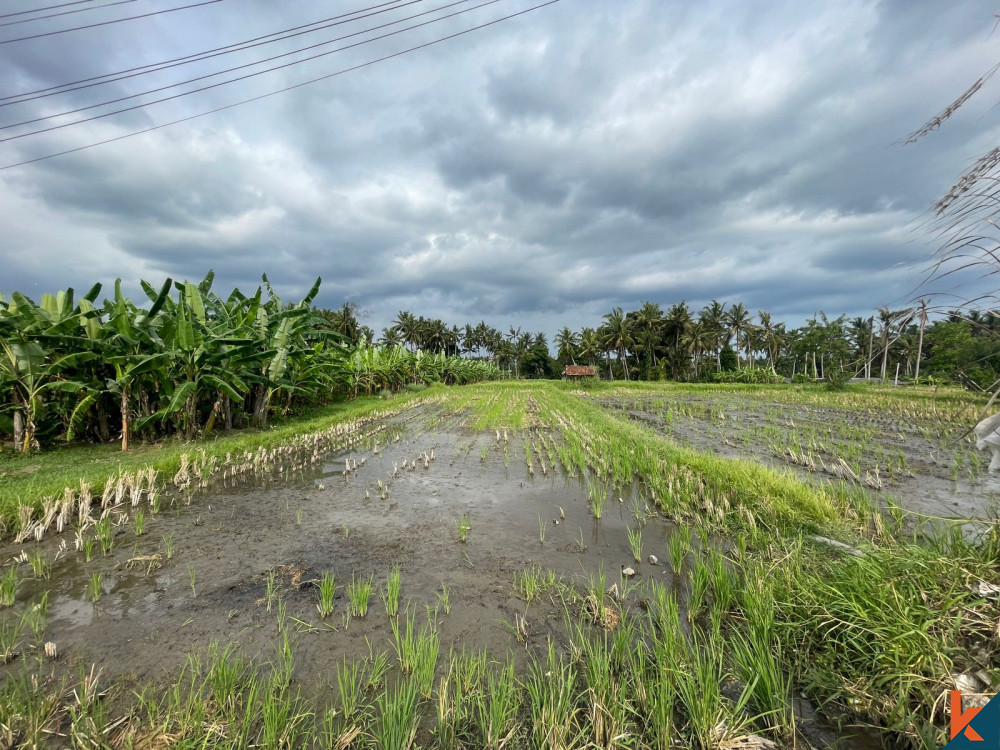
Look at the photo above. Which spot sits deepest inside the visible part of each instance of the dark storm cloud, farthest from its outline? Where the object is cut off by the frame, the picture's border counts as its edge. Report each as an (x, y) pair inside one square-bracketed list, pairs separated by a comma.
[(539, 172)]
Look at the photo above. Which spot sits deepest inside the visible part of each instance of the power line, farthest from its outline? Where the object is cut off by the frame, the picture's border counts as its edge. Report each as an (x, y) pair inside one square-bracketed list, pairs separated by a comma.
[(232, 69), (107, 23), (248, 75), (48, 7), (281, 90), (198, 56), (65, 13)]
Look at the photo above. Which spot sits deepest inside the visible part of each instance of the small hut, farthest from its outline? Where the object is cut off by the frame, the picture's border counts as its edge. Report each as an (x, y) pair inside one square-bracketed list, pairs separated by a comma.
[(577, 372)]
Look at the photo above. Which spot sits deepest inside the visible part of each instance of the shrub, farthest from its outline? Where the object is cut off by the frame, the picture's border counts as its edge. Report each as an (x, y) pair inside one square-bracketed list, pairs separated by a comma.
[(754, 375)]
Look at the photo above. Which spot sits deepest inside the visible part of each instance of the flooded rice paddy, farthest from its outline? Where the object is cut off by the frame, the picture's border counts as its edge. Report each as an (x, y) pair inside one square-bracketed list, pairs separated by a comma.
[(495, 546)]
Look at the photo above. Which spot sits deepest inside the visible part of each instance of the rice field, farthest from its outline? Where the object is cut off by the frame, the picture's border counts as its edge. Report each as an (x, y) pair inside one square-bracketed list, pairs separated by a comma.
[(517, 565)]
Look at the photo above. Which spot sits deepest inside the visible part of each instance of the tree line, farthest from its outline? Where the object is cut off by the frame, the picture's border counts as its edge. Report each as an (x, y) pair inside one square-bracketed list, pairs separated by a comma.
[(679, 343), (187, 362)]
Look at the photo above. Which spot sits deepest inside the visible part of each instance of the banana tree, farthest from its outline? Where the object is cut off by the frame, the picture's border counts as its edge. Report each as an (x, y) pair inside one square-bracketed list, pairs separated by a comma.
[(28, 373)]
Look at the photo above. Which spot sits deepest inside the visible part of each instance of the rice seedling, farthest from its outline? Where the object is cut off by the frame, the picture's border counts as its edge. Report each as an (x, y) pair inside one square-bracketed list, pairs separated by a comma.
[(168, 546), (105, 536), (635, 543), (698, 581), (399, 718), (271, 588), (541, 530), (530, 583), (495, 710), (95, 587), (598, 496), (138, 522), (551, 688), (327, 589), (359, 593), (8, 586), (298, 517), (40, 567), (758, 655), (87, 547), (712, 718), (11, 630), (464, 525), (444, 599), (678, 547), (351, 689), (393, 587), (192, 579)]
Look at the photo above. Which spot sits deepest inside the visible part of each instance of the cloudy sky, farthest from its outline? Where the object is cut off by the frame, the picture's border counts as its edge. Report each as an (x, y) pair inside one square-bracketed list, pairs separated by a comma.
[(538, 171)]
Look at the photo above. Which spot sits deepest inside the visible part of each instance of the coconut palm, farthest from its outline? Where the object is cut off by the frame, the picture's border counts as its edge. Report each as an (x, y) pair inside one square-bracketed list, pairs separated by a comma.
[(618, 336), (713, 316), (566, 344), (737, 321)]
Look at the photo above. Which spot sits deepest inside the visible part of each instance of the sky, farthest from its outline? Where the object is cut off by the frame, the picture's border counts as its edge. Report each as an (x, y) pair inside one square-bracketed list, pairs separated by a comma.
[(538, 171)]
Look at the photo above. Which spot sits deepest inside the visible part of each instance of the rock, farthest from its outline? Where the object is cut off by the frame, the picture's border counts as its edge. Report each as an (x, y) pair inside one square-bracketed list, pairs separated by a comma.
[(988, 436), (985, 590), (839, 545), (653, 560), (627, 571)]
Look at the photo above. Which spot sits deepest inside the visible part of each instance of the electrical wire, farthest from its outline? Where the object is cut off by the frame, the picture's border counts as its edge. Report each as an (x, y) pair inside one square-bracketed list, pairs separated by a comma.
[(108, 23), (47, 7), (163, 64), (279, 91), (134, 107), (66, 13), (205, 55), (235, 68)]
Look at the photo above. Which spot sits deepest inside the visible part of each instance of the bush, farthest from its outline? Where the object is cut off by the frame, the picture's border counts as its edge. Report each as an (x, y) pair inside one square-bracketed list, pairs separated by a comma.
[(837, 380), (414, 387), (801, 377), (728, 360), (752, 375)]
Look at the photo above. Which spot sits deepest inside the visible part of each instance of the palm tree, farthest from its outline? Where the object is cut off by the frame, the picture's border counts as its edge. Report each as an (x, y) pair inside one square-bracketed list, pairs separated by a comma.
[(566, 343), (713, 316), (737, 321), (590, 344), (406, 325), (618, 336), (697, 340), (649, 325)]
